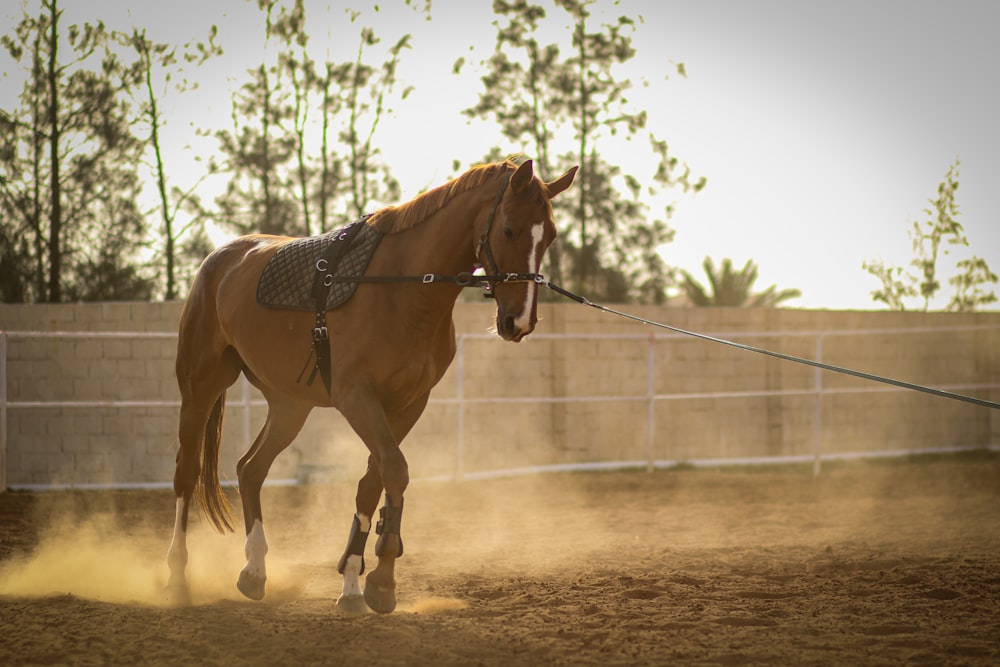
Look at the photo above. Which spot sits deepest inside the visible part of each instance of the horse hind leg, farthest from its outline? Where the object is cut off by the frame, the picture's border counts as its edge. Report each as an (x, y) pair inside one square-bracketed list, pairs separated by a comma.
[(283, 423), (178, 592), (203, 386), (199, 421)]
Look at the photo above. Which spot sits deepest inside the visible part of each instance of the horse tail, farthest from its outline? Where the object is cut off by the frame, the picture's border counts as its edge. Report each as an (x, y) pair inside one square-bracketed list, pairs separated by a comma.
[(213, 500)]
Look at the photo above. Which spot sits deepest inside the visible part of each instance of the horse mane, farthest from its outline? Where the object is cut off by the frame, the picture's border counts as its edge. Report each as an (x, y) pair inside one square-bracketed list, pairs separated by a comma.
[(392, 219)]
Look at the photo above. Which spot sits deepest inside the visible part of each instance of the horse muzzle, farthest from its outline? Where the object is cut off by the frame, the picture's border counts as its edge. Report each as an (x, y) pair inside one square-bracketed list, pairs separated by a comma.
[(512, 328)]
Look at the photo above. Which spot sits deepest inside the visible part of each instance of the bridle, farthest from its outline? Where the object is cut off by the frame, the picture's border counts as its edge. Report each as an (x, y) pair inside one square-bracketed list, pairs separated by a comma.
[(326, 278), (484, 240), (495, 277)]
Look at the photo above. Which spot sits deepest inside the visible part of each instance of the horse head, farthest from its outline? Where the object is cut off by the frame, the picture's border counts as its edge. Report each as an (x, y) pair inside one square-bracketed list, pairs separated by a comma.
[(515, 242)]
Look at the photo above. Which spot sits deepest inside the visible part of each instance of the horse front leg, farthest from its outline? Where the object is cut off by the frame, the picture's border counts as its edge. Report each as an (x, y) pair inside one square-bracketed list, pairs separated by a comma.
[(380, 584), (387, 469), (352, 562)]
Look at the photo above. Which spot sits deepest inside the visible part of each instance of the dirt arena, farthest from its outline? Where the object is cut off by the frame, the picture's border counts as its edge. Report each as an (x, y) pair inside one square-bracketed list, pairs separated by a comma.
[(871, 563)]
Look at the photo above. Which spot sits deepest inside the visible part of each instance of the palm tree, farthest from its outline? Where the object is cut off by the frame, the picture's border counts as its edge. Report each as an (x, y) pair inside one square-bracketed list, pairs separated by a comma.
[(729, 288)]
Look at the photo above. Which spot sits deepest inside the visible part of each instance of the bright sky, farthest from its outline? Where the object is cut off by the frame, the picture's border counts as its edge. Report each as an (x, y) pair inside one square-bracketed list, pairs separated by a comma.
[(822, 128)]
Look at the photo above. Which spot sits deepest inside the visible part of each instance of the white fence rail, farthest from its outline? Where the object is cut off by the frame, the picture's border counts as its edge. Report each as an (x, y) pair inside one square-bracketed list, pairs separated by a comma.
[(245, 400)]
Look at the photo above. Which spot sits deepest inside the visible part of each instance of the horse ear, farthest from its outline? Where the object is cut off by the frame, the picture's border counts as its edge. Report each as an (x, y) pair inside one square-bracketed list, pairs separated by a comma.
[(519, 181), (561, 183)]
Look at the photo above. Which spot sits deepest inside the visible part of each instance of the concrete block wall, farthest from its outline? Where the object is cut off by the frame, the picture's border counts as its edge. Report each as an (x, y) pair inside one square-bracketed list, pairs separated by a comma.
[(714, 402)]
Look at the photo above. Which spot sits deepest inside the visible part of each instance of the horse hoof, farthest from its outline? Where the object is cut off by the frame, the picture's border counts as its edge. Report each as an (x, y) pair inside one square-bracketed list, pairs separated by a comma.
[(251, 586), (178, 595), (352, 605), (379, 598)]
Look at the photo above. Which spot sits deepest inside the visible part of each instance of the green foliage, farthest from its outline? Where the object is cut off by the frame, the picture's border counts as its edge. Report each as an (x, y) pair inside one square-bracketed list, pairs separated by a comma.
[(69, 158), (897, 284), (368, 90), (258, 148), (154, 58), (279, 185), (608, 239), (932, 239), (87, 129), (969, 283), (732, 288)]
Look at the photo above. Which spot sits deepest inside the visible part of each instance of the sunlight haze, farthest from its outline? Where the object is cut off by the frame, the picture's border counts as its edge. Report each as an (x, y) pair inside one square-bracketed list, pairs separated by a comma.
[(823, 128)]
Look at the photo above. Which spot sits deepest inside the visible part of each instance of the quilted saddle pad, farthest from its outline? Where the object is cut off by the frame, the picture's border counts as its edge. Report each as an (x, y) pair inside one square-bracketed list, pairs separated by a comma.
[(290, 277)]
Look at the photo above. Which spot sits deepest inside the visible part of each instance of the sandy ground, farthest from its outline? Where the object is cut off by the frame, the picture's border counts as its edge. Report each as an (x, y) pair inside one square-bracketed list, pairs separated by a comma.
[(869, 564)]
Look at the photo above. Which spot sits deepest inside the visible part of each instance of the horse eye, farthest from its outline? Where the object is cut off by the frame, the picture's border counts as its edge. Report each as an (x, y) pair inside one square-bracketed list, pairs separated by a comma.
[(508, 233)]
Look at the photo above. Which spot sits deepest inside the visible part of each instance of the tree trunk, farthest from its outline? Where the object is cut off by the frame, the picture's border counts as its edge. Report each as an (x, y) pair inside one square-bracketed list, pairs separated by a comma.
[(37, 155), (55, 224), (583, 267), (161, 179)]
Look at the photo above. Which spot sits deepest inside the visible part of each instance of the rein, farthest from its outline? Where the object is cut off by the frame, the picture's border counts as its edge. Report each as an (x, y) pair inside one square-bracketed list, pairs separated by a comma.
[(469, 280), (778, 355), (495, 277), (464, 279)]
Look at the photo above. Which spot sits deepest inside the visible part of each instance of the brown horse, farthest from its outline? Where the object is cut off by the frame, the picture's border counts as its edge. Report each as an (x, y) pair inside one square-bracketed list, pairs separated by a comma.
[(388, 346)]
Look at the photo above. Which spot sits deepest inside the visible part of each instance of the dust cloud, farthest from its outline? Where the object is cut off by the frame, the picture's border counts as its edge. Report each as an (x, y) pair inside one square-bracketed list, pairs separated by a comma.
[(97, 558), (526, 527), (113, 552), (750, 566)]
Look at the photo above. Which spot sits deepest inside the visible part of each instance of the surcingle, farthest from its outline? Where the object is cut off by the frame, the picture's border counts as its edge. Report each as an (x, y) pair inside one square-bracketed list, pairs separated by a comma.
[(290, 277)]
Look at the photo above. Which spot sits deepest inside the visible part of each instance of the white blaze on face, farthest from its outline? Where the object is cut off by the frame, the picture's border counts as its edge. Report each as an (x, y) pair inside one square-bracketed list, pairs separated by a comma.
[(523, 321)]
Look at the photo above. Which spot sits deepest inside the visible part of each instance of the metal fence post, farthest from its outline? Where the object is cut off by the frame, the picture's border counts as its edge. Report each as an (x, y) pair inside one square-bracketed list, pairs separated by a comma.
[(818, 409), (651, 401), (460, 407), (3, 411)]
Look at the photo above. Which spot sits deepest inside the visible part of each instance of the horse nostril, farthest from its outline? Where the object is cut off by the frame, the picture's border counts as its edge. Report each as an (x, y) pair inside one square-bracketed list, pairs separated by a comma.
[(509, 329)]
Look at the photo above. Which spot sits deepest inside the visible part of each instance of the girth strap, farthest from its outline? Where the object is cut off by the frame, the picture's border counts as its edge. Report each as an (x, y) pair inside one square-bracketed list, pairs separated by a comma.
[(326, 266)]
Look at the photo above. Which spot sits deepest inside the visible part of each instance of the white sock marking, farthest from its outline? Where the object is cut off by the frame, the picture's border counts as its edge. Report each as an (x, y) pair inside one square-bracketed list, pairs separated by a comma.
[(177, 554), (352, 568), (256, 549)]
